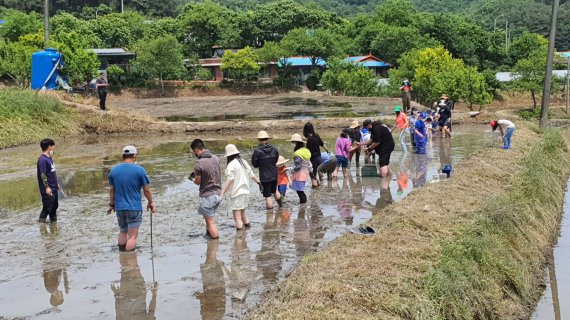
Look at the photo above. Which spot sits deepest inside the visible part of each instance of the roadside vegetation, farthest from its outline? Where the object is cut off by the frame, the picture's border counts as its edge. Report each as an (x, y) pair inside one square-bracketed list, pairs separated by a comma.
[(478, 254), (26, 117)]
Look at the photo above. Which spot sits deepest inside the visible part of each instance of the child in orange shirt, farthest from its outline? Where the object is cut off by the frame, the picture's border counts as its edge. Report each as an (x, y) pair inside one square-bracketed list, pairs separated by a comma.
[(282, 180)]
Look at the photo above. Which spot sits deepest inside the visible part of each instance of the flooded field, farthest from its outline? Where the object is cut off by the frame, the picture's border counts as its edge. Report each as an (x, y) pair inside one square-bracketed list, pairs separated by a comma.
[(73, 270), (555, 302), (285, 106)]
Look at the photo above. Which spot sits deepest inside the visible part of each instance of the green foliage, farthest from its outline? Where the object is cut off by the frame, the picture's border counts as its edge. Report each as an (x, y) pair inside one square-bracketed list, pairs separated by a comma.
[(16, 62), (346, 78), (524, 45), (18, 24), (80, 65), (203, 74), (241, 64), (530, 73), (271, 52), (117, 78), (26, 117), (64, 23), (161, 58), (316, 44), (392, 41), (118, 30), (313, 79)]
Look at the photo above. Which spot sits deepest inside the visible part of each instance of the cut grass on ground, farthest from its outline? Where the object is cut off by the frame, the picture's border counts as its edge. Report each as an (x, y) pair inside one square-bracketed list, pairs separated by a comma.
[(471, 247)]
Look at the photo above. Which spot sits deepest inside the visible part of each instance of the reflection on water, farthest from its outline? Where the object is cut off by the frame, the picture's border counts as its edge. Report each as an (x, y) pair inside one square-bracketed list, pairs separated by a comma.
[(130, 294), (54, 274), (220, 278), (555, 303)]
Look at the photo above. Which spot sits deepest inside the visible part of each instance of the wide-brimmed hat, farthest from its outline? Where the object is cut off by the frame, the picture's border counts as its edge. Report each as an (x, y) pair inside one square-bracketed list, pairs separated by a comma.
[(281, 160), (262, 135), (444, 96), (296, 138), (231, 149), (354, 124)]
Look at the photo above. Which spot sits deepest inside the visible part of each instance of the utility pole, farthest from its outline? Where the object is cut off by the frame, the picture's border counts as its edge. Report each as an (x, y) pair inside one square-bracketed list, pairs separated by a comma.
[(548, 77), (568, 84), (122, 7), (46, 23), (507, 36)]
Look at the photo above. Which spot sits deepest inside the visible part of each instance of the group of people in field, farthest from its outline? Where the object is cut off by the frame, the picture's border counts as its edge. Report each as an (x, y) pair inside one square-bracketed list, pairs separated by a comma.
[(275, 173)]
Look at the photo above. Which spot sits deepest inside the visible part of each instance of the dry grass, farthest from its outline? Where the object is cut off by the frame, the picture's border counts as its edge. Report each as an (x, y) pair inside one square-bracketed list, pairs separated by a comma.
[(413, 268)]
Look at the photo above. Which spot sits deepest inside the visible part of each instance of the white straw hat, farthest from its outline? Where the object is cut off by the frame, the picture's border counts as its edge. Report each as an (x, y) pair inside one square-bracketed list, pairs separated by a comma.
[(296, 138), (281, 160), (231, 149), (354, 124), (262, 135)]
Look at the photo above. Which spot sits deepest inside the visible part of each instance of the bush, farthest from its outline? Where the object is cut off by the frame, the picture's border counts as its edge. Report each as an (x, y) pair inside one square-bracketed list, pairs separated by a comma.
[(313, 79), (116, 77)]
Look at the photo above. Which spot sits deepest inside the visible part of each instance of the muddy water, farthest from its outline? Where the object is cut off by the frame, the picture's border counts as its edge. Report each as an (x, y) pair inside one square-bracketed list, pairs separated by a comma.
[(555, 303), (73, 270)]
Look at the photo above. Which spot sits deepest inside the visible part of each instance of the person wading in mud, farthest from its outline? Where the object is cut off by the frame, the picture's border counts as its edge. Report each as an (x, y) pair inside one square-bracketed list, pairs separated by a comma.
[(238, 173), (265, 158), (314, 144), (125, 183), (301, 166), (207, 175), (402, 124), (381, 142), (47, 181)]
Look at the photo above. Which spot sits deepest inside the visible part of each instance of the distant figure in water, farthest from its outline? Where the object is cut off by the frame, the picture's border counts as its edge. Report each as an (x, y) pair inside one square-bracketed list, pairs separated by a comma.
[(507, 129)]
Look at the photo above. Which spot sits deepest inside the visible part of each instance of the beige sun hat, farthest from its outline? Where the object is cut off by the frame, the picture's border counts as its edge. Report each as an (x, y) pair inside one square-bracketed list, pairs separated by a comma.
[(281, 160), (296, 138), (262, 135), (354, 124), (231, 149)]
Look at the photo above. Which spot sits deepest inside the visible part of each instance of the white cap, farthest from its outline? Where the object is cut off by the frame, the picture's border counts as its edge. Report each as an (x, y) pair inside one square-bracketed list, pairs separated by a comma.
[(129, 150), (231, 149)]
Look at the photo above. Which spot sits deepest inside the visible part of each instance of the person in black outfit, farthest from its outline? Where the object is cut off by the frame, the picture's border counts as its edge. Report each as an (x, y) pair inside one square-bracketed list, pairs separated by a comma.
[(314, 144), (381, 142), (265, 158)]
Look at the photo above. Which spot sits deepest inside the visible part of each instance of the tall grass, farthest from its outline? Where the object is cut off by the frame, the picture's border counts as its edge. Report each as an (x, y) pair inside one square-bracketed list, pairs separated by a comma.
[(491, 269), (26, 117)]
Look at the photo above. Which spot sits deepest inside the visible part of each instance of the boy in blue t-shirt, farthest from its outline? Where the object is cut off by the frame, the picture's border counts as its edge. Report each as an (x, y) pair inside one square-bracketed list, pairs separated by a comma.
[(47, 181)]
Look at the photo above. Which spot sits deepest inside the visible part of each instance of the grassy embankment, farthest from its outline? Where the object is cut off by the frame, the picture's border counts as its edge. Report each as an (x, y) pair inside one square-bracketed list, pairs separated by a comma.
[(468, 248), (26, 117)]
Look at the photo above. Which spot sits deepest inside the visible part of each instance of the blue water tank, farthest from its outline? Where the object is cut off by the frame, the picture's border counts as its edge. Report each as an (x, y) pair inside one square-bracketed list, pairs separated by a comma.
[(43, 62)]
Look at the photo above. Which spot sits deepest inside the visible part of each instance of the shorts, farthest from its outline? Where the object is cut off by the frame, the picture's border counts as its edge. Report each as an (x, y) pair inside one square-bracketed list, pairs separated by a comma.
[(209, 205), (282, 188), (384, 159), (341, 161), (240, 202), (269, 188), (129, 219)]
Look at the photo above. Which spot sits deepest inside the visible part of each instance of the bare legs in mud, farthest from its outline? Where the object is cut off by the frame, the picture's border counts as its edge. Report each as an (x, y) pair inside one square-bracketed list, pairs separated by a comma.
[(128, 240)]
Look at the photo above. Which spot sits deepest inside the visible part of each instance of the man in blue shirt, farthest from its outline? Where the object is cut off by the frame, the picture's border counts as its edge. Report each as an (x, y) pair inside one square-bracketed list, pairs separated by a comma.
[(47, 181), (126, 181)]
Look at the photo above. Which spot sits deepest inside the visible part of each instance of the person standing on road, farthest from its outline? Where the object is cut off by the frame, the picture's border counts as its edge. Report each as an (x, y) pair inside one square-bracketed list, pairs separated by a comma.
[(265, 158), (207, 174), (125, 183), (381, 142), (507, 129), (314, 144), (101, 84), (47, 181), (402, 125), (238, 173)]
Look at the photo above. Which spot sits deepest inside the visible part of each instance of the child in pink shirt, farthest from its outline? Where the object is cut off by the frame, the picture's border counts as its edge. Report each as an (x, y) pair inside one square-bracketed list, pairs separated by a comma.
[(342, 153)]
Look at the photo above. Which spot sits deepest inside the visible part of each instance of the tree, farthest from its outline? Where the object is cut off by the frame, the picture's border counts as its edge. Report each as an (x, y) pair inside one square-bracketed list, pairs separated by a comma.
[(390, 42), (529, 73), (16, 62), (318, 45), (119, 30), (161, 58), (80, 64), (64, 23), (241, 64), (474, 88), (524, 45), (18, 24), (350, 79)]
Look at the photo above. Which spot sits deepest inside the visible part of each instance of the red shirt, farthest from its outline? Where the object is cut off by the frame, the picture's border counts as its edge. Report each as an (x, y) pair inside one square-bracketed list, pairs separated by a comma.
[(282, 176)]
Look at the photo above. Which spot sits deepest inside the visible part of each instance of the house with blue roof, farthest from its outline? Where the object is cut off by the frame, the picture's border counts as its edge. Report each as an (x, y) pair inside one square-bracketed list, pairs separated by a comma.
[(378, 66)]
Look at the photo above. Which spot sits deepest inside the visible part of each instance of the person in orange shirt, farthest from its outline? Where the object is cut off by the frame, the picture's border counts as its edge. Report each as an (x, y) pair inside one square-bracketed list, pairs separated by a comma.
[(282, 180), (402, 124)]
